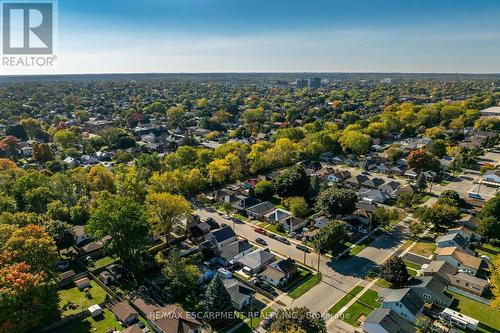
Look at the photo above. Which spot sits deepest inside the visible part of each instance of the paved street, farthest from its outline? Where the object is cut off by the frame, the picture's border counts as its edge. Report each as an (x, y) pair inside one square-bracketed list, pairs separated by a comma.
[(339, 276)]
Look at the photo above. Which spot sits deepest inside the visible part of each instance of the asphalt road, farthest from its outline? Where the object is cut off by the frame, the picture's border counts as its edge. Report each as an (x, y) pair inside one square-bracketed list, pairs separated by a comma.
[(338, 276)]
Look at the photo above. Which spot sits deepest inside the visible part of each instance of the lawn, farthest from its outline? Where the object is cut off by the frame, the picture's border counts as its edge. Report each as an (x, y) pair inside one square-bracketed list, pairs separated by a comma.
[(273, 228), (412, 265), (102, 262), (488, 250), (360, 247), (344, 300), (362, 307), (73, 300), (298, 278), (485, 314), (100, 324), (246, 327), (370, 298), (304, 287), (405, 245), (425, 198), (355, 311), (383, 283), (423, 248)]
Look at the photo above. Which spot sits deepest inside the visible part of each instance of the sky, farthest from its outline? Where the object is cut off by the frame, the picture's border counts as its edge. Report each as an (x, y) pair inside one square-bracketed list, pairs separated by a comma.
[(117, 36)]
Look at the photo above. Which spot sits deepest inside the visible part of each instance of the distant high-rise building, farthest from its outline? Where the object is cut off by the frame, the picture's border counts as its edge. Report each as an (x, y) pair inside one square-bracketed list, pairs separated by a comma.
[(302, 83), (315, 83)]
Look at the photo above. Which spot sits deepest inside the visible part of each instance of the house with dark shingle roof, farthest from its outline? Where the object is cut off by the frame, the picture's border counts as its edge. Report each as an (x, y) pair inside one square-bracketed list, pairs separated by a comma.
[(386, 321), (234, 251), (431, 290), (240, 295), (280, 272), (406, 303), (356, 181), (373, 182), (260, 210), (222, 237)]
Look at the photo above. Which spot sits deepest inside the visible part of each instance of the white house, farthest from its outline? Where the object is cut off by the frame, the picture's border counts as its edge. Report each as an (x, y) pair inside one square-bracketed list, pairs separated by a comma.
[(459, 259), (491, 176), (405, 302)]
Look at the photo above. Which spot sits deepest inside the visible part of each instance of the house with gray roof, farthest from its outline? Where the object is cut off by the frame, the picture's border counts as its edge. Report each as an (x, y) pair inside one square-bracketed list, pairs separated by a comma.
[(386, 321), (234, 251), (406, 303), (222, 237), (453, 239), (240, 295), (260, 210), (431, 290), (439, 269), (256, 261)]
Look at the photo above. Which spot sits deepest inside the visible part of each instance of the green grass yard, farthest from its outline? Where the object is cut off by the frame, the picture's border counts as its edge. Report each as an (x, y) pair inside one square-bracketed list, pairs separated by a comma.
[(365, 304), (488, 250), (344, 300), (423, 248), (273, 228), (485, 314), (72, 300), (302, 288), (100, 324)]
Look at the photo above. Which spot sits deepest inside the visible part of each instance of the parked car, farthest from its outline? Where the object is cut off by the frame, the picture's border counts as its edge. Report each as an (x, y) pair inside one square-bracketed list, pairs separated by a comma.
[(303, 248), (260, 231), (284, 240), (62, 265), (260, 241), (265, 286), (266, 322), (227, 217), (363, 230)]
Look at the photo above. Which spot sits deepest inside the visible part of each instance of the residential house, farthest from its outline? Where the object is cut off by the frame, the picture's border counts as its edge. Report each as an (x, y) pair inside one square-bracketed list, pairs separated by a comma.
[(118, 271), (255, 262), (240, 294), (279, 273), (411, 173), (440, 269), (80, 235), (469, 221), (469, 283), (467, 233), (106, 277), (491, 177), (339, 176), (293, 224), (222, 237), (397, 170), (406, 303), (390, 188), (320, 221), (132, 329), (453, 239), (82, 283), (386, 321), (373, 183), (373, 195), (125, 314), (445, 162), (459, 259), (234, 251), (258, 211), (198, 232), (92, 249), (243, 202), (277, 215), (356, 181), (405, 189), (431, 290), (383, 168)]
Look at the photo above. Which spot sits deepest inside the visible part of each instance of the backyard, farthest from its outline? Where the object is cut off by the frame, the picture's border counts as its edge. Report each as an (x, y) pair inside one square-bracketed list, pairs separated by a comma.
[(100, 324), (74, 301), (358, 311), (485, 314)]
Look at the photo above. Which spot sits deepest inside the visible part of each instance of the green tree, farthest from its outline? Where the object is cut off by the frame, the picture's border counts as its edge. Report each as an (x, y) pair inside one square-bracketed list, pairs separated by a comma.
[(264, 190), (334, 201), (61, 232), (385, 216), (355, 141), (181, 274), (450, 197), (394, 271), (300, 318), (297, 205), (291, 182), (124, 221), (439, 215), (217, 300), (165, 211)]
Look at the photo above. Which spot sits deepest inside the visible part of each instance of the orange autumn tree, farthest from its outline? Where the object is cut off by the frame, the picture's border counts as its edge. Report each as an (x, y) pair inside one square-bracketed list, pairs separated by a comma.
[(28, 296)]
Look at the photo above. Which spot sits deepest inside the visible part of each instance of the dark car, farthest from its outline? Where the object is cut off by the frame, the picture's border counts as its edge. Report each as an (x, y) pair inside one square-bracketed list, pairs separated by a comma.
[(260, 231), (303, 248), (260, 241), (284, 240)]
